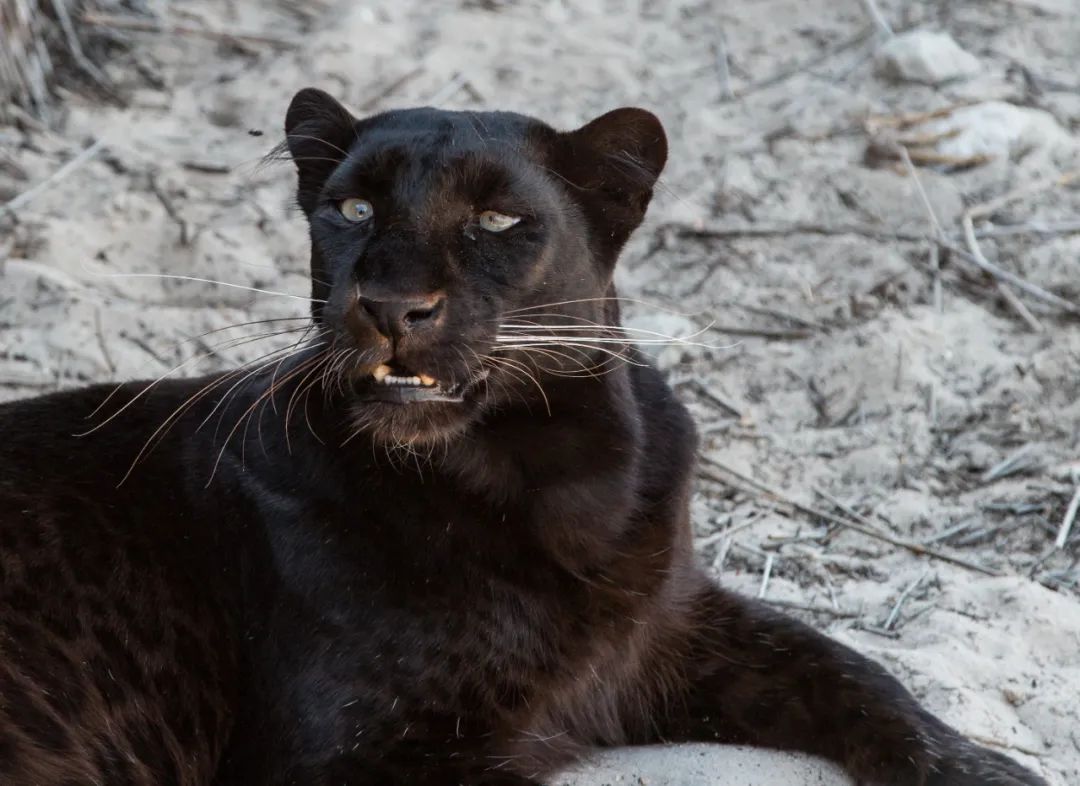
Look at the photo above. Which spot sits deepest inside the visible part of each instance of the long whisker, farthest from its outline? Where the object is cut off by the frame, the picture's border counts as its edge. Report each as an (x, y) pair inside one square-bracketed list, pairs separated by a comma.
[(324, 361), (196, 337), (320, 357), (177, 277), (521, 368), (564, 343), (606, 299), (594, 340), (319, 139), (610, 329), (245, 377), (594, 370), (214, 349), (160, 432)]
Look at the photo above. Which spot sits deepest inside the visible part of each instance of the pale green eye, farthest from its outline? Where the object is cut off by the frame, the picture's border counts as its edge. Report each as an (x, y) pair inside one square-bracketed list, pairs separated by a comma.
[(356, 210), (496, 222)]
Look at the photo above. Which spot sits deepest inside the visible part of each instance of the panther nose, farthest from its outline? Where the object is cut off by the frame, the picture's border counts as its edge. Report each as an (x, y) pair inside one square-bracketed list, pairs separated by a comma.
[(398, 317)]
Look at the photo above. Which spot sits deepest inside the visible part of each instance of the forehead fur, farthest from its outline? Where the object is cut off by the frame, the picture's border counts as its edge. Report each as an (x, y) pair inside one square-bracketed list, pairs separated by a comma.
[(489, 159)]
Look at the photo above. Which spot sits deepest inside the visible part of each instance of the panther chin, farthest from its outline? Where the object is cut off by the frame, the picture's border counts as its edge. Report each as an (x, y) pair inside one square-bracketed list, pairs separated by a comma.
[(401, 408)]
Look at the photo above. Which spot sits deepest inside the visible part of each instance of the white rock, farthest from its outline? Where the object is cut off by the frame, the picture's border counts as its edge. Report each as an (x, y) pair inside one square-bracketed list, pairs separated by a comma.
[(703, 765), (927, 57), (999, 130)]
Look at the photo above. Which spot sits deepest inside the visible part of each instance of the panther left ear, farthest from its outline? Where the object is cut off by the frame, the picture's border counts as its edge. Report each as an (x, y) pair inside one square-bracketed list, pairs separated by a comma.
[(612, 164), (318, 133)]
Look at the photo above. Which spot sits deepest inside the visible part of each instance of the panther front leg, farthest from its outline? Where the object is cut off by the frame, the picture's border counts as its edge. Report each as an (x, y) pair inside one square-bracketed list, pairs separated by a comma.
[(760, 678)]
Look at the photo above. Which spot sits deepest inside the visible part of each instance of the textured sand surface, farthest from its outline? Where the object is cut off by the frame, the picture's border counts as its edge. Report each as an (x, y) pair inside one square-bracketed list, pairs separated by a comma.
[(782, 229)]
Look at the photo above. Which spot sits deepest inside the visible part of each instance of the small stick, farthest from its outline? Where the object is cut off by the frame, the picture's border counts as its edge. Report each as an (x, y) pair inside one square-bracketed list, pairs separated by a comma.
[(935, 268), (723, 71), (993, 743), (718, 398), (1016, 462), (840, 504), (878, 18), (1004, 275), (449, 90), (860, 524), (782, 230), (1018, 306), (1067, 522), (171, 210), (103, 343), (25, 197), (927, 138), (889, 634), (809, 324), (731, 330), (788, 604), (148, 26), (876, 122), (765, 577), (75, 47), (967, 221), (990, 207), (1030, 228), (934, 158), (206, 168), (721, 556), (891, 619), (923, 196), (802, 68), (949, 532), (370, 103)]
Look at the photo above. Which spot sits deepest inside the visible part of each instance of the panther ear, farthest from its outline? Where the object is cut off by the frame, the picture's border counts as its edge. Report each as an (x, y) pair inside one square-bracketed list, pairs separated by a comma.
[(318, 133), (613, 163)]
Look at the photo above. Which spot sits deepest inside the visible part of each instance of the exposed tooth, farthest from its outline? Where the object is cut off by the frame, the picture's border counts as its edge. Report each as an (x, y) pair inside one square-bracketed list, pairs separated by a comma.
[(390, 379), (427, 381), (381, 372)]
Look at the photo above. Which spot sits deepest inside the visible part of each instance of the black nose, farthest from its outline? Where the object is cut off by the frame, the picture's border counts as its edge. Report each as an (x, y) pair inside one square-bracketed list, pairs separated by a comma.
[(398, 317)]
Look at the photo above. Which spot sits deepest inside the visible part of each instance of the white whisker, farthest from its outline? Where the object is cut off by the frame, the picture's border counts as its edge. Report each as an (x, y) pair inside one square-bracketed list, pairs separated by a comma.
[(176, 277), (581, 340)]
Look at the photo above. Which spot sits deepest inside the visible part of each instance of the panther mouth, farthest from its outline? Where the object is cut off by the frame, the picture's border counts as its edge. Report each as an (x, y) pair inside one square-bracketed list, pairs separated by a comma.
[(400, 386)]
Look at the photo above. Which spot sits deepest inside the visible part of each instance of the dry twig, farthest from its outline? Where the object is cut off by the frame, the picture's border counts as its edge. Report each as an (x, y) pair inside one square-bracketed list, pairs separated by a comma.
[(25, 197), (967, 222), (765, 575), (150, 26), (878, 18), (860, 524), (1067, 522), (802, 68), (891, 619)]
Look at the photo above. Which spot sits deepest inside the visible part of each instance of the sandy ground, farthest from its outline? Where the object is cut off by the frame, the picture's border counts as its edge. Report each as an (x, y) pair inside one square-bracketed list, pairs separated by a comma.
[(855, 381)]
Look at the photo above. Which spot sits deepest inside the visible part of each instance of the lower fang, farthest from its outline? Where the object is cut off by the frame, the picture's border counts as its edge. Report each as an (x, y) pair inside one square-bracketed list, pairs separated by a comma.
[(427, 381), (381, 372)]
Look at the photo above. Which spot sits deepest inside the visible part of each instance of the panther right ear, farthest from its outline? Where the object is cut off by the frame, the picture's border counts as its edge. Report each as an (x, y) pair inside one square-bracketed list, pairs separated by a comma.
[(318, 133)]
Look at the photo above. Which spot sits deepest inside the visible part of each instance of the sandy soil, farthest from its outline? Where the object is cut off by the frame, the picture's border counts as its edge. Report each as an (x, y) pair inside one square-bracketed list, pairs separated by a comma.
[(851, 382)]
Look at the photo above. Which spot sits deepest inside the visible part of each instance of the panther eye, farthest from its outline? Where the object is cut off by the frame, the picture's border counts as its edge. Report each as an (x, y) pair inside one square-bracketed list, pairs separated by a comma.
[(496, 222), (356, 210)]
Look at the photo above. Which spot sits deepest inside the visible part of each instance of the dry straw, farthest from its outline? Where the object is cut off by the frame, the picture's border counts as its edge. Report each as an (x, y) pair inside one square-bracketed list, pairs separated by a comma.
[(37, 36)]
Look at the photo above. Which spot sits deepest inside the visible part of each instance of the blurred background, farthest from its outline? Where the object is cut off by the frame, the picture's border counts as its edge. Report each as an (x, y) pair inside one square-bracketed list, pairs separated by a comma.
[(874, 207)]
